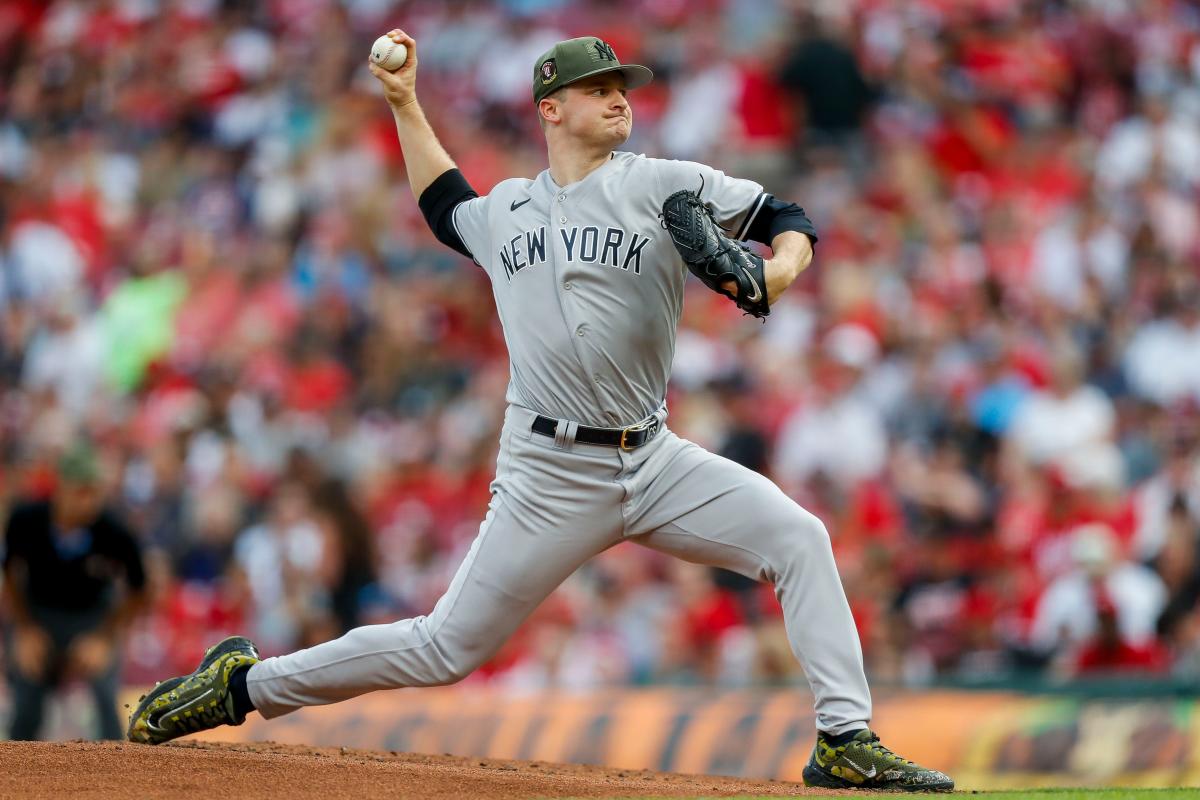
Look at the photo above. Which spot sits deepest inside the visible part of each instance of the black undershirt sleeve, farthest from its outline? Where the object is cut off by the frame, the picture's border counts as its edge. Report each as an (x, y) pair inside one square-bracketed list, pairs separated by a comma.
[(437, 203), (126, 550), (774, 217)]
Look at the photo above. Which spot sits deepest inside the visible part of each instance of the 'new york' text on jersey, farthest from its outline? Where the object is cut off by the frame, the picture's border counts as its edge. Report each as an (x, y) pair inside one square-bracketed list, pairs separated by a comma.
[(588, 286)]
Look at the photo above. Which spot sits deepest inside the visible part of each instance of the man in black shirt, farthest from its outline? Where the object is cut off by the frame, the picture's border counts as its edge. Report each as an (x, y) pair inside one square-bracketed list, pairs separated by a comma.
[(73, 577)]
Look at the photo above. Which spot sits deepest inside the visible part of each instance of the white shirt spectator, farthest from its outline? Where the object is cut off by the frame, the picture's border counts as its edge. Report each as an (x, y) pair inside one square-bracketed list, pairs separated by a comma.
[(272, 560), (1129, 153), (1069, 251), (706, 95), (1161, 362), (506, 80), (1048, 426), (1057, 269), (1066, 611), (44, 260), (69, 361), (845, 440)]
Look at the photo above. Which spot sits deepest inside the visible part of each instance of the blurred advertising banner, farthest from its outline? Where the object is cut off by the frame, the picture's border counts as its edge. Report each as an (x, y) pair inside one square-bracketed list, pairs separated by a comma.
[(984, 739)]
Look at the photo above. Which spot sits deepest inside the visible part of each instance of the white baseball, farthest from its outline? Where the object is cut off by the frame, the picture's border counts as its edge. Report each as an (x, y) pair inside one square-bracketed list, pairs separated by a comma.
[(388, 54)]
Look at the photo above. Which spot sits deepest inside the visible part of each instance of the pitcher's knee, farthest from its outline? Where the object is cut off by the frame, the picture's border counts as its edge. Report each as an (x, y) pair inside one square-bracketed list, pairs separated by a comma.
[(798, 535), (812, 529), (447, 670), (453, 673), (451, 664)]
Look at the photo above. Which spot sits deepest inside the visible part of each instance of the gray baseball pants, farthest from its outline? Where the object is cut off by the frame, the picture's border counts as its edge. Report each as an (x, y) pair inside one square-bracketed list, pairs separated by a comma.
[(555, 504)]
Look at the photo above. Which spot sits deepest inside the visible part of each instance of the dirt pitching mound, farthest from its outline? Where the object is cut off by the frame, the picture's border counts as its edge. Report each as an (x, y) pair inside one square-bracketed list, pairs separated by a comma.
[(104, 770)]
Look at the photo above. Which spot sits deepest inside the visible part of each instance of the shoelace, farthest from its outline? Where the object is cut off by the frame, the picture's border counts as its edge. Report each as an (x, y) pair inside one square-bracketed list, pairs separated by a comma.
[(879, 747)]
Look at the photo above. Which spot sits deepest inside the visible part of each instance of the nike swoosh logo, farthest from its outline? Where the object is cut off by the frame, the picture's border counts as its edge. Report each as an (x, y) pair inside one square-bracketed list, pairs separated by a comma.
[(153, 721), (861, 771), (515, 205), (757, 295)]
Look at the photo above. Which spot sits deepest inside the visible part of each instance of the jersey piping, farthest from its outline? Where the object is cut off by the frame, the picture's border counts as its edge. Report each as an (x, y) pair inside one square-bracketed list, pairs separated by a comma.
[(750, 215)]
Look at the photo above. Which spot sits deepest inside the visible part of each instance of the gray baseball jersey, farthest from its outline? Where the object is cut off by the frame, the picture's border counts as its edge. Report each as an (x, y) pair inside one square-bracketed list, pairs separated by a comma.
[(588, 285), (589, 288)]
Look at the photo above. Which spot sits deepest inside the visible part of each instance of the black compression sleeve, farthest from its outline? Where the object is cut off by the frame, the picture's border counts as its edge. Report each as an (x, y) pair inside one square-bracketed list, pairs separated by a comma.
[(774, 217), (437, 203)]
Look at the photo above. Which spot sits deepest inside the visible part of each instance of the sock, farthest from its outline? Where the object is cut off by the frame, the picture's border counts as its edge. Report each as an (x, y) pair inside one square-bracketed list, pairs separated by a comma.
[(841, 738), (241, 695)]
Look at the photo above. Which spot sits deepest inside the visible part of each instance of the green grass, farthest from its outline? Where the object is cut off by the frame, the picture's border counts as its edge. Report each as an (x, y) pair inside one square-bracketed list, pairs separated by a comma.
[(1107, 794), (1018, 794)]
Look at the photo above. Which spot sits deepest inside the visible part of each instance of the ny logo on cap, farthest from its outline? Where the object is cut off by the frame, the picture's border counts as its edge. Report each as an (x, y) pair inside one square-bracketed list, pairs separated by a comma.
[(604, 51)]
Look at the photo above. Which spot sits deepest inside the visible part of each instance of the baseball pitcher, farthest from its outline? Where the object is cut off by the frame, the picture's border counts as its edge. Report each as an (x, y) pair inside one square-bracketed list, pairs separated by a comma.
[(587, 262)]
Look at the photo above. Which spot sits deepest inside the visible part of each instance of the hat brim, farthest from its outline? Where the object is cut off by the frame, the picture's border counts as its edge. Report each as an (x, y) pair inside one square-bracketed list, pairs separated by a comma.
[(636, 76)]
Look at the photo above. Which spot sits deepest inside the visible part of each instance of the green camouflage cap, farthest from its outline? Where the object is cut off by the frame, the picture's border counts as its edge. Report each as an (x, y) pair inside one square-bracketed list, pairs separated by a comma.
[(79, 464), (580, 58)]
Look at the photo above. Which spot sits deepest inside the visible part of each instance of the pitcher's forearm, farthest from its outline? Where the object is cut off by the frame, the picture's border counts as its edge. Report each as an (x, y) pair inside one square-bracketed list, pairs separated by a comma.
[(424, 156), (792, 254)]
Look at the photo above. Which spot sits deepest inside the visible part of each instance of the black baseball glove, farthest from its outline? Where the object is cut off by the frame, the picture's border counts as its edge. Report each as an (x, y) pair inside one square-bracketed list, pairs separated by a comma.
[(711, 255)]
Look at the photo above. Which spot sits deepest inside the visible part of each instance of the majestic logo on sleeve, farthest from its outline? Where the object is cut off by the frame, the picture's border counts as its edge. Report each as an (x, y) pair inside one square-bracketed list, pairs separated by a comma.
[(602, 51), (549, 71), (609, 247)]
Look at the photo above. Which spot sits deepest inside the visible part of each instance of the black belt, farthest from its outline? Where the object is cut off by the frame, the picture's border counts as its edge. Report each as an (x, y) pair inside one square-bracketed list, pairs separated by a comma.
[(624, 438)]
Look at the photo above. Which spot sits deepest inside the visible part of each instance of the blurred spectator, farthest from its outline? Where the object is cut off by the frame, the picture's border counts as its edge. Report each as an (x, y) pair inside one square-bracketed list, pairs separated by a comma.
[(824, 73), (353, 551), (1109, 653), (1158, 360), (1065, 417), (700, 636), (1178, 561), (1169, 499), (73, 579), (63, 361), (288, 561), (138, 318), (835, 432), (942, 498), (1158, 137), (1104, 612)]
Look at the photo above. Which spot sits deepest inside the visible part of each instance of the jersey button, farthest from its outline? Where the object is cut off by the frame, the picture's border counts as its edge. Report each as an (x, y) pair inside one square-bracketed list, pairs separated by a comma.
[(562, 197), (562, 220), (579, 331), (567, 286), (596, 378)]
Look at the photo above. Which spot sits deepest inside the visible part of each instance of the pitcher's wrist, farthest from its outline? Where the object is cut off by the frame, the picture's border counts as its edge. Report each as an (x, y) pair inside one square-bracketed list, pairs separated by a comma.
[(398, 107)]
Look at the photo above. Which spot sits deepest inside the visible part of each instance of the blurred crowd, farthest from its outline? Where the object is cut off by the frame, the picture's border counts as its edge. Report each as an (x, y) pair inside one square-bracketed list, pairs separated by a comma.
[(987, 385)]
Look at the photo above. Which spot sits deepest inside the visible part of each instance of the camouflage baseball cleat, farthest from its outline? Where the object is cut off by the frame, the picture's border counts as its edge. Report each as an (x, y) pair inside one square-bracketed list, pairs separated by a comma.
[(864, 763), (196, 702)]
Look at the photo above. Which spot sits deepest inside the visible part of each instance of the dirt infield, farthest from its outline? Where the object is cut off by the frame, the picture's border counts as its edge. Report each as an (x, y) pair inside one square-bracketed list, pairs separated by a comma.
[(106, 770)]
